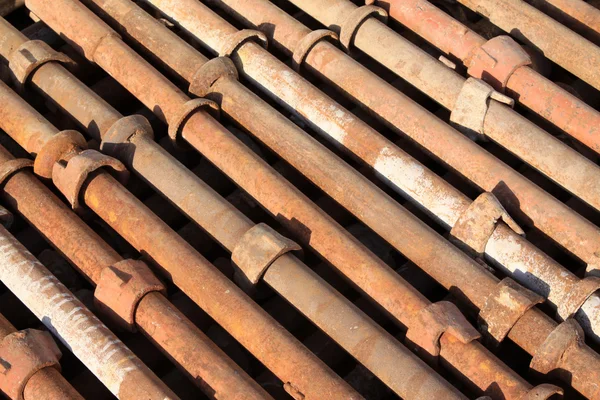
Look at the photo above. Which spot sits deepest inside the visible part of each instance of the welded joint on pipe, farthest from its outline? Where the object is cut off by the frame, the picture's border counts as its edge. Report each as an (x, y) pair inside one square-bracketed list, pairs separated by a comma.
[(477, 223), (177, 122), (307, 43), (257, 249), (496, 60), (434, 321), (354, 20), (30, 56), (235, 40), (22, 354), (576, 296), (209, 73), (503, 308), (69, 176), (549, 355), (472, 105), (120, 289), (59, 147)]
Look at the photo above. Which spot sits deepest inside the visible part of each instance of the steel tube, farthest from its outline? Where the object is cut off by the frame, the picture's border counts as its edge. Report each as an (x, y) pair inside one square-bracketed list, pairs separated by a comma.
[(528, 87), (70, 321), (523, 199), (45, 384), (558, 43), (501, 124), (205, 148), (577, 15), (208, 366), (392, 349)]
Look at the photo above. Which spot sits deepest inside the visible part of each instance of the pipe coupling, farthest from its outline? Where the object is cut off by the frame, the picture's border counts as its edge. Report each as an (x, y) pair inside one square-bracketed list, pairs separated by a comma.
[(209, 73), (307, 43), (354, 20), (55, 150), (31, 55), (549, 355), (235, 40)]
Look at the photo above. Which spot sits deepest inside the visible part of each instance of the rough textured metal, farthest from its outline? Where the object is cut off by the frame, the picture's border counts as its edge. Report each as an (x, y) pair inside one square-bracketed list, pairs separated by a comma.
[(65, 316), (121, 288), (30, 55), (59, 147), (22, 355), (258, 248)]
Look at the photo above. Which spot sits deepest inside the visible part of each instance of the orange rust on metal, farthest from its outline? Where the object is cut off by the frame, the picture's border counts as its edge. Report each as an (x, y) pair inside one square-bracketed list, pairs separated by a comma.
[(307, 43), (558, 43), (528, 87), (121, 288), (478, 222), (31, 55), (258, 248), (353, 21), (55, 149), (22, 355), (550, 354), (436, 320), (70, 178), (211, 369), (209, 73), (504, 307), (11, 166)]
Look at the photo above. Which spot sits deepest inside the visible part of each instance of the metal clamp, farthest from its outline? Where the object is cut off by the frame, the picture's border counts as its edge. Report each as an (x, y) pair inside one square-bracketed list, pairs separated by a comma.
[(542, 392), (576, 295), (472, 105), (307, 43), (31, 55), (258, 248), (122, 132), (435, 320), (11, 166), (477, 223), (120, 289), (70, 178), (22, 354), (209, 73), (548, 356), (497, 60), (54, 149), (191, 106), (504, 307), (240, 37), (350, 26)]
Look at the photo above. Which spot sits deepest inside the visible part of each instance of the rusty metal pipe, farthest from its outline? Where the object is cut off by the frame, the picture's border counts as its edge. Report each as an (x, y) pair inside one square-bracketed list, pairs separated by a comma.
[(45, 384), (499, 123), (558, 43), (524, 84), (204, 148), (70, 321), (387, 347), (522, 199), (577, 15), (505, 247), (208, 366)]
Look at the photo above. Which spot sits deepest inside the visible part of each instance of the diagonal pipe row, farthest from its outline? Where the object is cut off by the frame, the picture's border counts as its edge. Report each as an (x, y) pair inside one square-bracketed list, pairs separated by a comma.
[(209, 367), (155, 34), (101, 59), (287, 266), (523, 199), (529, 25), (71, 322), (501, 244), (473, 104), (501, 63)]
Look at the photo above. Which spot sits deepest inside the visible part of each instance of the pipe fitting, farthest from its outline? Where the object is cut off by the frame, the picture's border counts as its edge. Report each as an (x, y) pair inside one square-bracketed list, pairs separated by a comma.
[(209, 73), (504, 306), (258, 248), (549, 355), (22, 354), (476, 224), (497, 60), (178, 120), (542, 392), (70, 177), (10, 167), (120, 289), (432, 322), (354, 20), (122, 132), (235, 40), (307, 43), (31, 55), (471, 107), (55, 149)]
